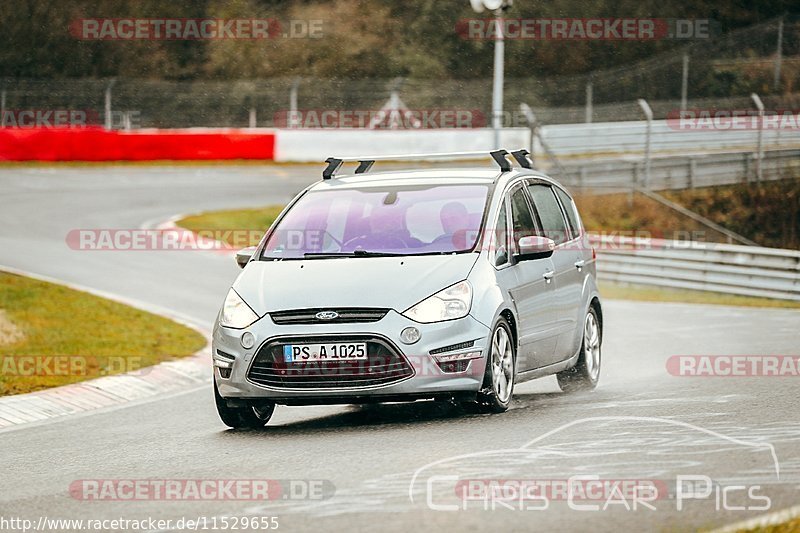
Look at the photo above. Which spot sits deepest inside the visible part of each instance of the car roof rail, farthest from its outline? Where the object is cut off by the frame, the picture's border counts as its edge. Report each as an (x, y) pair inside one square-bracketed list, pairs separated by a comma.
[(365, 163)]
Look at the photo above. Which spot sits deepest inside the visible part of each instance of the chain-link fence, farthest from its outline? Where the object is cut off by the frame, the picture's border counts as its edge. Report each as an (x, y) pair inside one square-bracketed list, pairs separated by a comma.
[(719, 72)]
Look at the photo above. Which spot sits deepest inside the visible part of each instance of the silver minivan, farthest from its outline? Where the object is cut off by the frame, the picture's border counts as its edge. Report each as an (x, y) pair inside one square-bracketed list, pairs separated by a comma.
[(393, 286)]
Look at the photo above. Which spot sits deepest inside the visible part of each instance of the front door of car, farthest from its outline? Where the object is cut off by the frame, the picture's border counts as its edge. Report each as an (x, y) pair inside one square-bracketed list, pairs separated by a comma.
[(569, 275), (532, 290)]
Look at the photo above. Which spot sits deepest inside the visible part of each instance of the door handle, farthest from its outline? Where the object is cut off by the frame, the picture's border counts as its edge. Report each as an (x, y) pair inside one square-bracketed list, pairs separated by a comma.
[(548, 276), (580, 264)]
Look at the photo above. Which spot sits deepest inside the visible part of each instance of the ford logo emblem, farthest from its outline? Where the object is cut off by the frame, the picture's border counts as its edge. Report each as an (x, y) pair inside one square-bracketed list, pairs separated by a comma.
[(327, 315)]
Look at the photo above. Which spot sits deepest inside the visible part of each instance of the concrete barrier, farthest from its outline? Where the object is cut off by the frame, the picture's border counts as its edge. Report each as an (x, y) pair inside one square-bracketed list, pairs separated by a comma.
[(98, 144)]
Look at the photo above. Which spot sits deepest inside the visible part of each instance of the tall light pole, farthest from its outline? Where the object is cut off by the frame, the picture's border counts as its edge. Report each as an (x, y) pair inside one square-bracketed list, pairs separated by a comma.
[(497, 6)]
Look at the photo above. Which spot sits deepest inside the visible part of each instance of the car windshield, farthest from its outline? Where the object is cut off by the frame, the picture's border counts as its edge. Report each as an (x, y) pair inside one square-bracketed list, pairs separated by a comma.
[(387, 220)]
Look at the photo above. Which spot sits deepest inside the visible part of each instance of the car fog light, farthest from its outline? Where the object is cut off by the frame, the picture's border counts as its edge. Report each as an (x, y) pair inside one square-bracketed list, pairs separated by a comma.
[(410, 335), (223, 360), (248, 340), (457, 356)]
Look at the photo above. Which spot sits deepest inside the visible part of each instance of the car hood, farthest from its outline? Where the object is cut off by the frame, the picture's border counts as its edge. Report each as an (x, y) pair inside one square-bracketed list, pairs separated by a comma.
[(387, 282)]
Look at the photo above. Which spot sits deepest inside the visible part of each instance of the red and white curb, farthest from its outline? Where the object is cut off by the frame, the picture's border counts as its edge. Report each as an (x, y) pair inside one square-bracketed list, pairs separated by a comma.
[(108, 391)]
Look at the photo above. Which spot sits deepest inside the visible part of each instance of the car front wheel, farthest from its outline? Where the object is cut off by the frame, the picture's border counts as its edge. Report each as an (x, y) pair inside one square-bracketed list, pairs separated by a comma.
[(498, 382), (245, 416), (586, 372)]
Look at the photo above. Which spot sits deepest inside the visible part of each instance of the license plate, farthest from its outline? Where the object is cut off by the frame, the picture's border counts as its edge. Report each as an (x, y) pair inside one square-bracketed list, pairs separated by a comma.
[(335, 351)]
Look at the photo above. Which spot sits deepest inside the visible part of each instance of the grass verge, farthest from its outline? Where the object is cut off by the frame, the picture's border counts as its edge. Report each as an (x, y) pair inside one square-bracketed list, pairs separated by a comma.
[(792, 526), (646, 293), (248, 224), (84, 336)]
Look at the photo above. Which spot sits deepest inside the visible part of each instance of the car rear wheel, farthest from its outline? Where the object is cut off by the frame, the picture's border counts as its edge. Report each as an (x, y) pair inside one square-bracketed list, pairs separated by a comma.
[(245, 416), (498, 382), (586, 372)]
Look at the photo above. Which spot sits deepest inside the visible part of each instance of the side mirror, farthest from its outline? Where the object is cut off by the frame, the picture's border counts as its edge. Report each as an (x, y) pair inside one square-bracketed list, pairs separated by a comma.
[(535, 247), (244, 255)]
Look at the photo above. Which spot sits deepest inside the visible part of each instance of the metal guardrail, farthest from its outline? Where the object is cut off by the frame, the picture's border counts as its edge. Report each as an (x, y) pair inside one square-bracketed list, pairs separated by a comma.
[(680, 172), (629, 137), (725, 268)]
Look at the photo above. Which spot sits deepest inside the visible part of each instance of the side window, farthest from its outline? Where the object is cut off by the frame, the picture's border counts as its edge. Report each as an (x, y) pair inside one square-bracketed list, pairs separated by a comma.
[(569, 209), (521, 217), (549, 212), (501, 238)]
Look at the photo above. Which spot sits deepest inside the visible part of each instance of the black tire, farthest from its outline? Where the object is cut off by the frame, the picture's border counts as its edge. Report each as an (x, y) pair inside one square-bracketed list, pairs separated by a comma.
[(245, 417), (586, 372), (493, 396)]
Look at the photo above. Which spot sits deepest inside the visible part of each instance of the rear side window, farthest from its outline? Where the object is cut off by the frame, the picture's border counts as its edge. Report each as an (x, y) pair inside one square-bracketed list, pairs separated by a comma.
[(553, 224), (569, 209)]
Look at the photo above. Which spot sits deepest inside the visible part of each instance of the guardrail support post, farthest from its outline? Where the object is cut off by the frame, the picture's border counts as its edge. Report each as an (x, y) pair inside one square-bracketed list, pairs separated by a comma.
[(685, 80), (108, 119), (2, 108), (293, 117), (589, 98), (746, 167), (692, 171), (778, 57), (760, 152), (648, 113)]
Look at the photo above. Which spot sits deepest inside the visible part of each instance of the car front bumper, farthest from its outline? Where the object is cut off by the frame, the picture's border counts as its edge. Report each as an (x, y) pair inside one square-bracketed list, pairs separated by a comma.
[(428, 380)]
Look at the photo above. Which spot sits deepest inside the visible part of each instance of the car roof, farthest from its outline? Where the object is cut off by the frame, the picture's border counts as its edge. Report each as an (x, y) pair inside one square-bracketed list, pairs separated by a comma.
[(427, 176)]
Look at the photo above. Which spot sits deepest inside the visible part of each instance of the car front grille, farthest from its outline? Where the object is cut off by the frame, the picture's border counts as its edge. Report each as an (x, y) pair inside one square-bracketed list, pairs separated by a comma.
[(384, 365), (345, 315)]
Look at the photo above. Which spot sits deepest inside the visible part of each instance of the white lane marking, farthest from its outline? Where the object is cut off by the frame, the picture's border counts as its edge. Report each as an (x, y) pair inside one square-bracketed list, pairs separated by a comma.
[(563, 427)]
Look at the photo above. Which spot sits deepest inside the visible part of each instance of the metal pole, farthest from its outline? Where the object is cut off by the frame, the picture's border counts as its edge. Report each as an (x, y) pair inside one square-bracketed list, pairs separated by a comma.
[(589, 109), (497, 86), (293, 118), (778, 57), (252, 117), (3, 109), (760, 106), (648, 113), (684, 81)]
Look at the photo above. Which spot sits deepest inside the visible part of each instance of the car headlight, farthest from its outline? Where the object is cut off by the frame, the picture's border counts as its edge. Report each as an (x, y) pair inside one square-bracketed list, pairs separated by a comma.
[(448, 304), (235, 312)]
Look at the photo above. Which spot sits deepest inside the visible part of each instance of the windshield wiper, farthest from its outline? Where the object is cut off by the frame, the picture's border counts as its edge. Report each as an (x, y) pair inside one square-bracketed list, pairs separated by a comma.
[(354, 253)]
